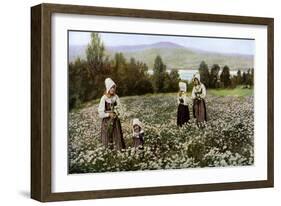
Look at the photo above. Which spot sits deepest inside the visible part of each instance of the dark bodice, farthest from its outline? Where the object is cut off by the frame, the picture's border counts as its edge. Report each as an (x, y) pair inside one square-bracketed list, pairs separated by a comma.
[(109, 106)]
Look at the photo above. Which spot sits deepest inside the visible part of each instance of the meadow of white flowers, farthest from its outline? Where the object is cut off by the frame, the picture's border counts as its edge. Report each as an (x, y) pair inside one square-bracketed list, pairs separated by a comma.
[(226, 140)]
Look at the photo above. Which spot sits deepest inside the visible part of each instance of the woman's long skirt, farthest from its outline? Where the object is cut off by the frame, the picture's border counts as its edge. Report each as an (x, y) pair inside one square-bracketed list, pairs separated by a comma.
[(199, 110), (183, 114), (111, 134)]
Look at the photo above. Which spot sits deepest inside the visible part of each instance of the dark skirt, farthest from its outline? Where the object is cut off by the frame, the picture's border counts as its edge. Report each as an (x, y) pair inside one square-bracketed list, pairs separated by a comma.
[(199, 110), (111, 134), (138, 142), (183, 114)]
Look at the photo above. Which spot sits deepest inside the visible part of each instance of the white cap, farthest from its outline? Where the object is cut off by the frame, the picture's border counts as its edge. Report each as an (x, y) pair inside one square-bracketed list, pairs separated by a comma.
[(136, 121), (108, 84), (182, 86), (197, 76)]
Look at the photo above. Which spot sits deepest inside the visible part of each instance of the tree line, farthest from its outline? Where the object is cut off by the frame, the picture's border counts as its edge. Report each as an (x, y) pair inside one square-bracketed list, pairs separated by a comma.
[(213, 78), (86, 76)]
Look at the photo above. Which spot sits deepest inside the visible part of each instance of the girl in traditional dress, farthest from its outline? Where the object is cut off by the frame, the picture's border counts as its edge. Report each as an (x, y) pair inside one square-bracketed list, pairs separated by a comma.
[(109, 111), (138, 133), (198, 95), (183, 110)]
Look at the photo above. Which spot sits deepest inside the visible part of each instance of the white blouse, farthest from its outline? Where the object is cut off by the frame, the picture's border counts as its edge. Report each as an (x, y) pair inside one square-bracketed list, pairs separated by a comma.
[(139, 134), (198, 88), (118, 109), (185, 99)]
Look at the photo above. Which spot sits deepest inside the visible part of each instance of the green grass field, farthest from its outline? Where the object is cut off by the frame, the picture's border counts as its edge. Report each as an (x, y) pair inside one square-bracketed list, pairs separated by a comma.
[(237, 92)]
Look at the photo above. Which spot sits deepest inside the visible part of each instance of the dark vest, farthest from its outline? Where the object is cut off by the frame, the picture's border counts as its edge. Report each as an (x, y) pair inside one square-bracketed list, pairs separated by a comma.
[(108, 106)]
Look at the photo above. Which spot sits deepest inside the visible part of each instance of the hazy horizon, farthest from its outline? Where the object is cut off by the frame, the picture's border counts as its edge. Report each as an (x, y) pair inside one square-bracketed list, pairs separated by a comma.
[(219, 45)]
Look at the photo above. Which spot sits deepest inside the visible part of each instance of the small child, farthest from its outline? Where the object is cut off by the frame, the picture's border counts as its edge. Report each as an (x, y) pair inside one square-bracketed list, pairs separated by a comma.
[(138, 133), (183, 110)]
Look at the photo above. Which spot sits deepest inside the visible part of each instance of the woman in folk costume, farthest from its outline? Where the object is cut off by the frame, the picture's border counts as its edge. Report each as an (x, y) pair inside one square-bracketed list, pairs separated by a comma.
[(138, 133), (198, 95), (109, 111), (183, 110)]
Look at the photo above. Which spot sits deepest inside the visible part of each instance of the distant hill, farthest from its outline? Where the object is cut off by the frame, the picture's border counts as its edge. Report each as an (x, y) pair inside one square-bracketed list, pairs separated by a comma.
[(141, 47), (173, 55)]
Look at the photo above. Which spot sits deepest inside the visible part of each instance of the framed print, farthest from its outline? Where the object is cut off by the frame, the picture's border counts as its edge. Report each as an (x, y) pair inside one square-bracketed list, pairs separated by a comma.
[(129, 102)]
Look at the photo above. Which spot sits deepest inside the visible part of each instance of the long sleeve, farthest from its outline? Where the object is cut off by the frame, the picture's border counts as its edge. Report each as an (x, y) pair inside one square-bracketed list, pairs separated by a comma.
[(203, 95), (101, 109), (193, 96)]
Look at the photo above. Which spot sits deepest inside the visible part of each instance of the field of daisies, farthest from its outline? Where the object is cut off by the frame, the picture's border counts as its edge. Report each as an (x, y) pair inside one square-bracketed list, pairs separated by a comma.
[(227, 138)]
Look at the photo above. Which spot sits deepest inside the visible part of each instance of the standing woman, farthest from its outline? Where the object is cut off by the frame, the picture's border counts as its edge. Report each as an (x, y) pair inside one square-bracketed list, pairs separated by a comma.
[(109, 111), (183, 111), (198, 95)]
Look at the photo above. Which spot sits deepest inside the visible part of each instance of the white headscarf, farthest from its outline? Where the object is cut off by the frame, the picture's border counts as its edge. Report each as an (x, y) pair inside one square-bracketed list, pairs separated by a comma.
[(182, 86), (109, 83), (197, 76), (136, 121)]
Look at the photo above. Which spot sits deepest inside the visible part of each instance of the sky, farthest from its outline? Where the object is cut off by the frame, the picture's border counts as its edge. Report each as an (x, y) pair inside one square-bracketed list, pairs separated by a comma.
[(221, 45)]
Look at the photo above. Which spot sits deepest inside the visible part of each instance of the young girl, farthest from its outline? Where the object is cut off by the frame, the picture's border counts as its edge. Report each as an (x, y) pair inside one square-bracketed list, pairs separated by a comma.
[(138, 133), (109, 110), (183, 110), (198, 95)]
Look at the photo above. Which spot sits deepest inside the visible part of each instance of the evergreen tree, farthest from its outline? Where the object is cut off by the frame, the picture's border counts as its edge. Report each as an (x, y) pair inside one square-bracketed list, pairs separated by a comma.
[(204, 73), (239, 77), (174, 80), (159, 73), (244, 78), (95, 54), (252, 76), (225, 77), (214, 76)]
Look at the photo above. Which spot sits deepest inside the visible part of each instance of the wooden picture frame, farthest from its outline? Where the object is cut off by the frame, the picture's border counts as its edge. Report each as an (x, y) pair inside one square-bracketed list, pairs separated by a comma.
[(41, 116)]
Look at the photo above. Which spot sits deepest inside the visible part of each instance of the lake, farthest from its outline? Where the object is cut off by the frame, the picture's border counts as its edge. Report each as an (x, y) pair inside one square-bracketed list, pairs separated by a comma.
[(188, 74)]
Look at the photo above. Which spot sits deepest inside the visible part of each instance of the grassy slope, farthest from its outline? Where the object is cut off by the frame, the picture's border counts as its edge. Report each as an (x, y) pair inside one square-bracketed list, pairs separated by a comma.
[(238, 92)]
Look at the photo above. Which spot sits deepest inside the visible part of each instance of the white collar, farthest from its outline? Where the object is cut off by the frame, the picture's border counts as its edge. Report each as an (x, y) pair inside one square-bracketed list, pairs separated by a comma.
[(110, 99), (138, 133)]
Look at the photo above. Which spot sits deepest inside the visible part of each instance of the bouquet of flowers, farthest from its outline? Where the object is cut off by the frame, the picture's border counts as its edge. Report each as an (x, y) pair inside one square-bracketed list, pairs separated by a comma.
[(198, 94), (112, 119)]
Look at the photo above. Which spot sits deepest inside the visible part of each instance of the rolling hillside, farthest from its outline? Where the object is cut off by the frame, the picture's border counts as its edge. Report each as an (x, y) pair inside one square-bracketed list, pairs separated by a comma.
[(173, 55)]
